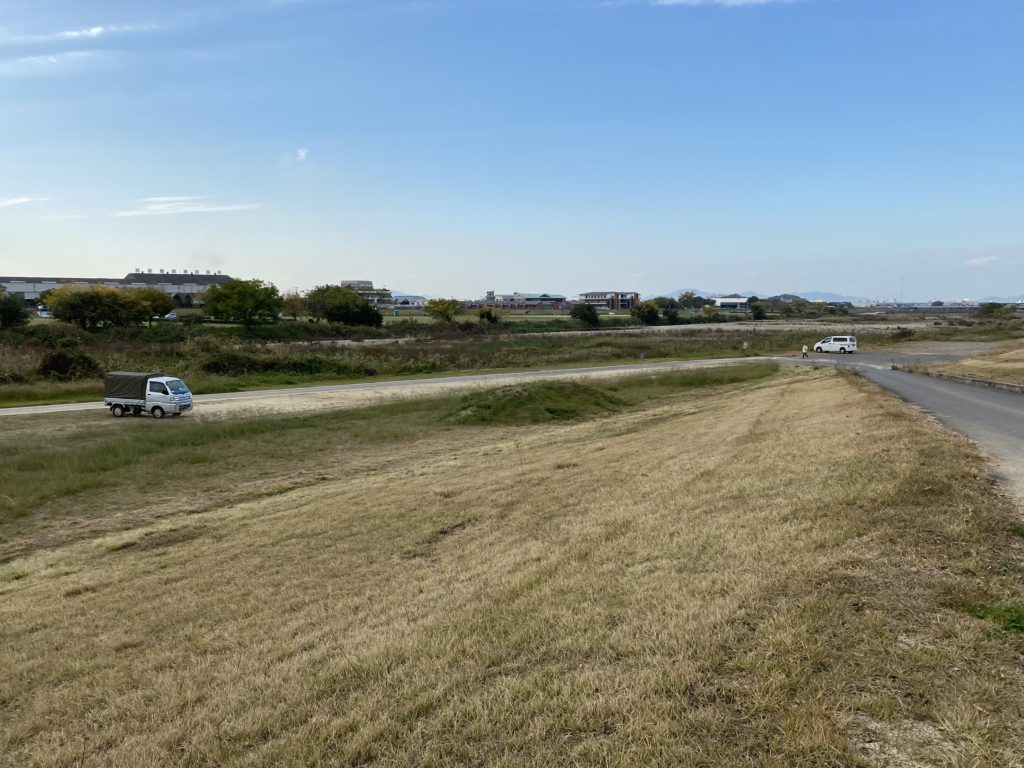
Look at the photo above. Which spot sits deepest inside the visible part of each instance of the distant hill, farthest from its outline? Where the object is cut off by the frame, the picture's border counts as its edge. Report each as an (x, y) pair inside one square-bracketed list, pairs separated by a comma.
[(829, 297), (809, 295)]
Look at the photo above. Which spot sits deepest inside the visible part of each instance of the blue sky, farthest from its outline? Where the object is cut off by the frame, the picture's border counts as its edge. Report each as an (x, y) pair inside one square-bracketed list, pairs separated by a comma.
[(454, 146)]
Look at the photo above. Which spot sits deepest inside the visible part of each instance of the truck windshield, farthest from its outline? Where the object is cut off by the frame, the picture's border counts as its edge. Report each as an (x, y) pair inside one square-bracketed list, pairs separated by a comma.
[(177, 387)]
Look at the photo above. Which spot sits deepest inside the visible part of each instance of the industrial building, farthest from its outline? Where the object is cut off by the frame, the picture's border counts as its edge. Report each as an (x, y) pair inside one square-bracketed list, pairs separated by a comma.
[(182, 286)]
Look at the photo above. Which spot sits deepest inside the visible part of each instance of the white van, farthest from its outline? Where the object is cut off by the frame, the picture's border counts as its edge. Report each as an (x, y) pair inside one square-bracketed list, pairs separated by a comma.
[(840, 344)]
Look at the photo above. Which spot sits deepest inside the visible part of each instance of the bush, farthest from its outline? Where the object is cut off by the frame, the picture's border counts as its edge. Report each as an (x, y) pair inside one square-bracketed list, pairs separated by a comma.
[(55, 335), (586, 314), (68, 365)]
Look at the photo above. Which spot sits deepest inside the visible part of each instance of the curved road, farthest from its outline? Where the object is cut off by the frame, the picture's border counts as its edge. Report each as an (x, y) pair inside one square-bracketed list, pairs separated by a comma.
[(992, 418)]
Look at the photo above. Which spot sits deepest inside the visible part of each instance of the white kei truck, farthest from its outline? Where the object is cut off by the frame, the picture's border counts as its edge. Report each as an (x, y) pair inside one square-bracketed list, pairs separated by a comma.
[(139, 393)]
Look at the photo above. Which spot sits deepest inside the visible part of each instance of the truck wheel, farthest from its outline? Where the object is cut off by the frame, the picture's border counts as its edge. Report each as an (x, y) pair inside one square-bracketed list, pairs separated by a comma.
[(842, 350), (117, 410), (818, 350), (158, 412)]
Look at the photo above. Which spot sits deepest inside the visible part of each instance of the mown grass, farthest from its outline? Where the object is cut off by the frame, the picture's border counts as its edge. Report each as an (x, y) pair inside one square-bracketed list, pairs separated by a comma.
[(97, 453), (668, 585)]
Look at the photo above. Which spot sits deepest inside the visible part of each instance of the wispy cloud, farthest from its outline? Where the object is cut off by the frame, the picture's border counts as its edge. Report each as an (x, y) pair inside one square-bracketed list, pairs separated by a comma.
[(980, 262), (46, 64), (75, 35), (10, 202), (172, 206), (294, 157)]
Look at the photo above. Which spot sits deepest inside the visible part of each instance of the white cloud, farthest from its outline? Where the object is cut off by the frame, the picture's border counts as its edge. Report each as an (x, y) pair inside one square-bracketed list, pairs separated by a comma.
[(10, 202), (301, 154), (49, 63), (84, 33), (981, 261), (171, 206)]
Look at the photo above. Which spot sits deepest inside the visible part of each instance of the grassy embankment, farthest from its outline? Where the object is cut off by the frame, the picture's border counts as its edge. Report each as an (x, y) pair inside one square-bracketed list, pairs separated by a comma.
[(1005, 364), (791, 571), (217, 365)]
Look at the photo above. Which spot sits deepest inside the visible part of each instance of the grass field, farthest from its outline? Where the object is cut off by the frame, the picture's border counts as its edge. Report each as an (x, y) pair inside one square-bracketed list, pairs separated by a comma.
[(1005, 364), (784, 571)]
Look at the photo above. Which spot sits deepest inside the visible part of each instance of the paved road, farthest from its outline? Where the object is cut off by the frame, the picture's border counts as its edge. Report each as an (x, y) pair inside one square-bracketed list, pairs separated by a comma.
[(992, 418)]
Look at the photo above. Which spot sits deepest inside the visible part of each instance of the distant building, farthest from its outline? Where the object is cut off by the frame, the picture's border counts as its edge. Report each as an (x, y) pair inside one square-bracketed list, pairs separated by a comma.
[(611, 299), (378, 298), (184, 287), (738, 303), (408, 301), (527, 300)]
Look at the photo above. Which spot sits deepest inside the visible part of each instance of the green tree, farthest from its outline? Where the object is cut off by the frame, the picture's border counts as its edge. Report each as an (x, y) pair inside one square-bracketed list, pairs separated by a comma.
[(293, 304), (152, 302), (337, 304), (249, 302), (759, 310), (489, 315), (586, 314), (13, 313), (671, 315), (691, 300), (938, 303), (666, 302), (646, 312), (443, 310)]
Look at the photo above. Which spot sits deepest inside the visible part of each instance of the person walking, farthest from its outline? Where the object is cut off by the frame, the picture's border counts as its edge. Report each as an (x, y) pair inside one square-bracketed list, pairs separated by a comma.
[(804, 351)]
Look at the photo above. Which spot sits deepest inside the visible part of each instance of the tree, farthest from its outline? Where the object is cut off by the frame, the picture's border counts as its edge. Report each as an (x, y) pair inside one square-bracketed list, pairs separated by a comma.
[(938, 303), (666, 302), (671, 315), (586, 314), (13, 313), (443, 310), (759, 310), (248, 302), (489, 315), (337, 304), (646, 312), (95, 306), (293, 304), (153, 302), (691, 300)]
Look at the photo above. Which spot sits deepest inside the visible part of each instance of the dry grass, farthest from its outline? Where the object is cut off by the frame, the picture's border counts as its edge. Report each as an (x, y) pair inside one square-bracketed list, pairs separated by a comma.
[(1005, 364), (782, 575)]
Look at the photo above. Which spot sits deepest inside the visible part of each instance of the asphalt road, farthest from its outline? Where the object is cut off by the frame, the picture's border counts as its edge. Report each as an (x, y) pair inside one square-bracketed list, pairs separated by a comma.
[(992, 418)]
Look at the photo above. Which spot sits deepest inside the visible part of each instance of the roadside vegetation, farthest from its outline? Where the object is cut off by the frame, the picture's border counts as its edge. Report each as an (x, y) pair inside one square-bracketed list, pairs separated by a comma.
[(60, 363), (1005, 364), (791, 570)]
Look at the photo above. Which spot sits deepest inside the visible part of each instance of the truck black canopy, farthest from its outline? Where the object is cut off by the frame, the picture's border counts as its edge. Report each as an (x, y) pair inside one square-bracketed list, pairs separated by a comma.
[(127, 385)]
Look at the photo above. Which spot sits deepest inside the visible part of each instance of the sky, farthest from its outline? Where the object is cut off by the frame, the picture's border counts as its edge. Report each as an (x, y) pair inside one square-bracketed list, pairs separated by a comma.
[(450, 147)]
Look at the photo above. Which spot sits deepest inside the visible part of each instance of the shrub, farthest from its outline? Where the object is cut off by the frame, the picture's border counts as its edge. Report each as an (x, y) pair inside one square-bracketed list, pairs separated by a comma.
[(55, 335), (68, 365)]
